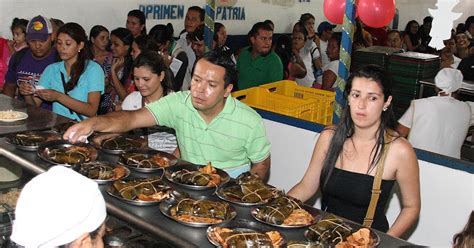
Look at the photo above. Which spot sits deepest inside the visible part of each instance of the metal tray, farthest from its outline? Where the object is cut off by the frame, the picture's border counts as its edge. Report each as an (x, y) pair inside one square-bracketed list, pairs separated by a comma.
[(106, 165), (45, 148), (99, 139), (355, 227), (312, 211), (192, 167), (231, 183), (113, 192), (148, 153), (43, 136), (167, 204), (240, 225)]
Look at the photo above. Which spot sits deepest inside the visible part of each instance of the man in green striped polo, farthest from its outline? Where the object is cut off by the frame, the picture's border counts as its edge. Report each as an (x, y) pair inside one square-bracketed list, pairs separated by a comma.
[(210, 125)]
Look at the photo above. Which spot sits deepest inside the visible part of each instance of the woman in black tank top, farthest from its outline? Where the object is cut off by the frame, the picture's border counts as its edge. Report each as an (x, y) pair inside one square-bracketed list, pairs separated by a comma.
[(346, 157)]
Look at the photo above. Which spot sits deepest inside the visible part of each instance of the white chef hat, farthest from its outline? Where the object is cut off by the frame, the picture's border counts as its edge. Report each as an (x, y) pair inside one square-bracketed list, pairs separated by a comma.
[(448, 80), (57, 207)]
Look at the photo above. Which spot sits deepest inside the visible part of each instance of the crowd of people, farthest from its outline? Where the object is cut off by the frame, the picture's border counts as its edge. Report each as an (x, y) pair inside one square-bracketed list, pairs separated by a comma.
[(127, 78)]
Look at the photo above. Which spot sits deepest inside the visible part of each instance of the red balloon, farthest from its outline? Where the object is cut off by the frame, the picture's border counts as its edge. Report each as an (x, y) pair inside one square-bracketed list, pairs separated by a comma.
[(376, 13), (334, 10)]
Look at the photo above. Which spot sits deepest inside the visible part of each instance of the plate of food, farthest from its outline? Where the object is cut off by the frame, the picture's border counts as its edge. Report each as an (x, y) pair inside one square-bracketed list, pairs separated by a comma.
[(118, 143), (11, 116), (244, 233), (147, 160), (197, 212), (102, 172), (196, 177), (30, 140), (286, 212), (247, 190), (64, 152), (140, 192), (334, 231)]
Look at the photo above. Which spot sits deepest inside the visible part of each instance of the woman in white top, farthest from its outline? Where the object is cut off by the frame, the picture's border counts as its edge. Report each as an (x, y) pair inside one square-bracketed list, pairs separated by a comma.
[(152, 84), (308, 52)]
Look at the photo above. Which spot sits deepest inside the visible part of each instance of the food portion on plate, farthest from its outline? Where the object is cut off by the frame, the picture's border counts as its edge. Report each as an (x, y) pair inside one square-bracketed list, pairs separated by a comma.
[(247, 189), (63, 152), (145, 191), (285, 211), (243, 237), (11, 116), (333, 230), (197, 212), (197, 177), (147, 161), (361, 239), (102, 171), (30, 140), (118, 143)]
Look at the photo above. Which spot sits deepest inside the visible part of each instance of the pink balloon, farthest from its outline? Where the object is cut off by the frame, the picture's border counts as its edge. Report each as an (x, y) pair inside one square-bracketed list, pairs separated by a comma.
[(334, 10), (376, 13)]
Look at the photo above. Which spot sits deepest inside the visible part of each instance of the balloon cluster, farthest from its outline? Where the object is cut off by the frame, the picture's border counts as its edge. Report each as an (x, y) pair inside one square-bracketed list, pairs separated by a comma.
[(373, 13)]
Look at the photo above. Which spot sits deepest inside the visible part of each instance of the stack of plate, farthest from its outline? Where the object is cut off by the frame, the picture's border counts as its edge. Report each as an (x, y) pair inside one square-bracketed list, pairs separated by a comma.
[(378, 55), (406, 70)]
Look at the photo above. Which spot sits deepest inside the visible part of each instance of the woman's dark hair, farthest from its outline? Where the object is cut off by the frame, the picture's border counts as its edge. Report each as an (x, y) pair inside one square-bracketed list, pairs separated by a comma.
[(414, 38), (95, 31), (359, 34), (306, 16), (301, 29), (155, 63), (126, 37), (465, 238), (162, 33), (146, 43), (140, 16), (345, 127), (77, 33), (220, 59), (217, 27), (19, 23)]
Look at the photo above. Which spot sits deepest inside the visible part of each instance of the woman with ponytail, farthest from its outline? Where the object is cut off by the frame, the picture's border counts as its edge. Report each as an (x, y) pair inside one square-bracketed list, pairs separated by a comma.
[(75, 84), (347, 157)]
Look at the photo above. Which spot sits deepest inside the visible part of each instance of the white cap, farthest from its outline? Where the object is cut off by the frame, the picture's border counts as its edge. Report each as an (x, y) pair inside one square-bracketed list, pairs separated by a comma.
[(57, 207), (448, 80)]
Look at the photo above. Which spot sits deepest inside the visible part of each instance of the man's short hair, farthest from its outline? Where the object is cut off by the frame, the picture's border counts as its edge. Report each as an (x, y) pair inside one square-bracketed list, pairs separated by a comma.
[(198, 9), (428, 19), (469, 21), (223, 60), (259, 26)]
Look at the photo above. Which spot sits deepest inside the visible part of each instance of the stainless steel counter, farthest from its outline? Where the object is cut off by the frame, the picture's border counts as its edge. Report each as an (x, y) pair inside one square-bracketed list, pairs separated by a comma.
[(38, 118), (149, 218)]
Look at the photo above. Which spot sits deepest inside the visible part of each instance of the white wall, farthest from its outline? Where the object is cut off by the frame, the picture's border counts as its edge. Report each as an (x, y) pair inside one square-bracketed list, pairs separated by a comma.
[(447, 195), (112, 13)]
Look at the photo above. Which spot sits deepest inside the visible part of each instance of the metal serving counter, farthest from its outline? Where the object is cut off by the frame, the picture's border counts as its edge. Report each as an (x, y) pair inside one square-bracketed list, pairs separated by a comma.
[(149, 218)]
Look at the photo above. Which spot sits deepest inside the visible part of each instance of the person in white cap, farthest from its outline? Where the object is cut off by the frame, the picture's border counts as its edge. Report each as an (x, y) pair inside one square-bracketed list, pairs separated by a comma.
[(60, 207), (440, 123)]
